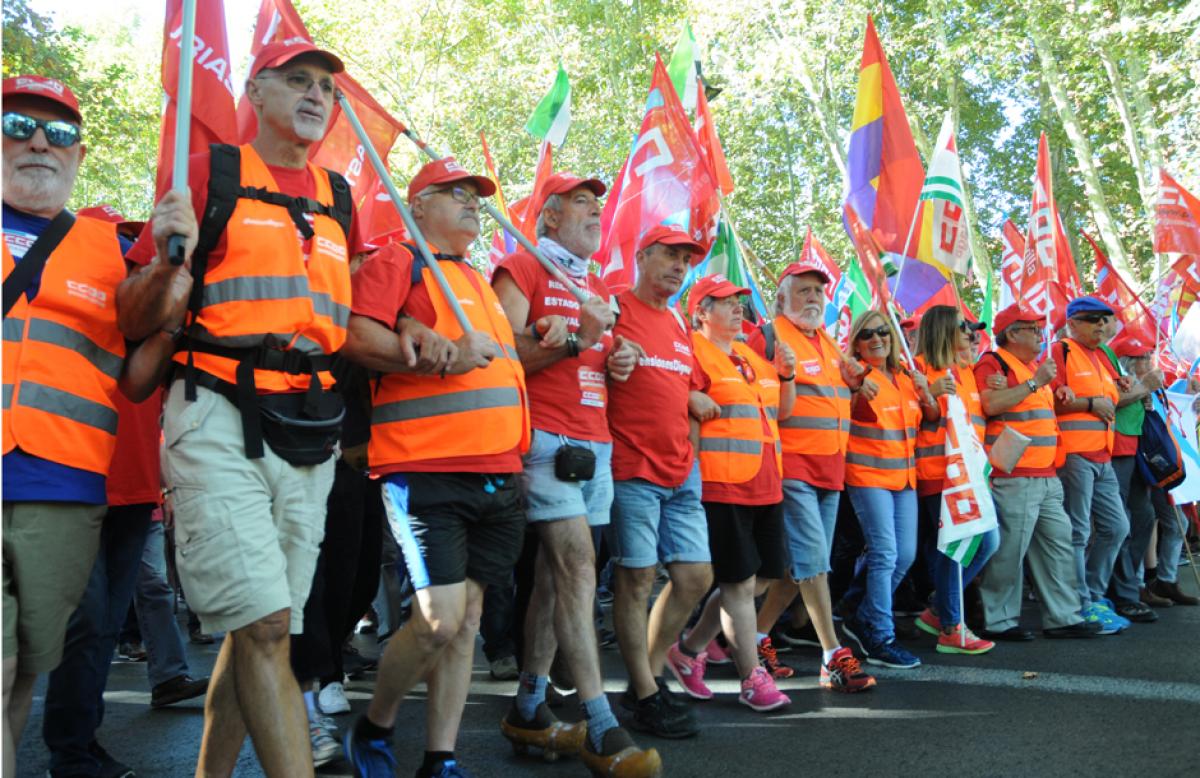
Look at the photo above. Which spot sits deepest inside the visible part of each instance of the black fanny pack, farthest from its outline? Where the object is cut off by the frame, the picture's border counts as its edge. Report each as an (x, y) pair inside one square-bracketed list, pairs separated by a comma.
[(299, 435), (574, 463)]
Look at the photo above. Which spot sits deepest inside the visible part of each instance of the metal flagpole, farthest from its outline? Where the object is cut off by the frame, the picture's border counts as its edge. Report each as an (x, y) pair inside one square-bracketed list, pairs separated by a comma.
[(554, 270), (405, 214), (183, 120)]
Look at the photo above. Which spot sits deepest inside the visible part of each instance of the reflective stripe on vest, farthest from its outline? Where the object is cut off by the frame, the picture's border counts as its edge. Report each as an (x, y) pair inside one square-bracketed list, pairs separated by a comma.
[(266, 289), (1084, 432), (731, 445), (820, 420), (882, 453), (1033, 417), (63, 353), (481, 413)]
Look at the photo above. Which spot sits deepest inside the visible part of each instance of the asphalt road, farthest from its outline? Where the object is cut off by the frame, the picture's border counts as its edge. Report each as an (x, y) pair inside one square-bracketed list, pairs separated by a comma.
[(1121, 705)]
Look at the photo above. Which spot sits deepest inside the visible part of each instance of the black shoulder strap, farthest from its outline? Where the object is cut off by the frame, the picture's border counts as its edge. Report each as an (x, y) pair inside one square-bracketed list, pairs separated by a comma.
[(768, 331), (1003, 365), (419, 261), (343, 202), (224, 185), (30, 266)]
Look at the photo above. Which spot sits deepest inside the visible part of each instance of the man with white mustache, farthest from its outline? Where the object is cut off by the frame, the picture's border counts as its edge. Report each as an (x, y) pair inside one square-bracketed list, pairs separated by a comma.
[(814, 466)]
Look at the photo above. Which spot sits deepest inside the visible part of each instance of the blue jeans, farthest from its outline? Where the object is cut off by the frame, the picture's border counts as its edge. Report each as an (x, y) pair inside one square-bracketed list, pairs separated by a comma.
[(155, 605), (75, 691), (889, 525), (947, 598), (1099, 524), (1170, 536)]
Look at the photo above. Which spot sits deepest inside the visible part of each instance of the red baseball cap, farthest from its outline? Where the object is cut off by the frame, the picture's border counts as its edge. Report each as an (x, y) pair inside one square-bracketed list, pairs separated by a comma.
[(561, 183), (48, 88), (1129, 345), (106, 213), (911, 323), (278, 53), (715, 285), (445, 171), (805, 265), (1013, 314), (669, 235)]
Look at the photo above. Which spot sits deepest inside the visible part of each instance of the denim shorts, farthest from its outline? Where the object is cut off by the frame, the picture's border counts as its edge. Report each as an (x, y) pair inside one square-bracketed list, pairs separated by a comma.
[(549, 499), (809, 517), (653, 523)]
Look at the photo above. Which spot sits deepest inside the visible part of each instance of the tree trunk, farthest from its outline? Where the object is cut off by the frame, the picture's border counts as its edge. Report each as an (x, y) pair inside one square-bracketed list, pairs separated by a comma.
[(1105, 224), (1132, 143)]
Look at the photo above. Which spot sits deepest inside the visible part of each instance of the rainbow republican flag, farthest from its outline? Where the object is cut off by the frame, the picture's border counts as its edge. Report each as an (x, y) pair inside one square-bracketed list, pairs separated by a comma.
[(884, 167)]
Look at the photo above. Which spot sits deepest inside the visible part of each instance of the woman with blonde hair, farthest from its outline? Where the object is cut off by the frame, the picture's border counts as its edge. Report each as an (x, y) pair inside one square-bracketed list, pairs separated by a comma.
[(881, 478), (944, 357)]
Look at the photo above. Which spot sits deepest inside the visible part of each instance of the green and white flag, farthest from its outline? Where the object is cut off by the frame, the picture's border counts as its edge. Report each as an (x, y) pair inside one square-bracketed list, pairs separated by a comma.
[(684, 67), (967, 509), (552, 117), (943, 189)]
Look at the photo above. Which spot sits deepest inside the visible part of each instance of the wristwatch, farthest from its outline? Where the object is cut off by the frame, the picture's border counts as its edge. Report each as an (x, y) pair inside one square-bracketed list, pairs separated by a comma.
[(1033, 387)]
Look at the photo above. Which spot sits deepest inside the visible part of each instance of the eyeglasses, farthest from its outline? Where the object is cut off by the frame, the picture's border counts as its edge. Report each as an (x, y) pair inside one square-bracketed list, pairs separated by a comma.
[(1094, 318), (1034, 328), (299, 81), (59, 132), (457, 193), (867, 334)]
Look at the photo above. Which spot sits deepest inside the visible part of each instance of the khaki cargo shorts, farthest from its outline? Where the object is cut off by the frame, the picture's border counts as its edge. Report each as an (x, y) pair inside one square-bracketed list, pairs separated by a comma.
[(49, 550), (247, 531)]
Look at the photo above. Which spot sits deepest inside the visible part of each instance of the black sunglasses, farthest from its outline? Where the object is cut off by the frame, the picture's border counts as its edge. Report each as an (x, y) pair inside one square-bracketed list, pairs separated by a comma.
[(867, 334), (1094, 318), (60, 133)]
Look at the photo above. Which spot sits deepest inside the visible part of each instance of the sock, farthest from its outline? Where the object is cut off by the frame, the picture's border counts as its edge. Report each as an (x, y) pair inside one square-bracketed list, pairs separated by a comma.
[(760, 637), (1151, 574), (435, 758), (310, 703), (689, 653), (531, 692), (600, 719), (365, 729), (827, 656)]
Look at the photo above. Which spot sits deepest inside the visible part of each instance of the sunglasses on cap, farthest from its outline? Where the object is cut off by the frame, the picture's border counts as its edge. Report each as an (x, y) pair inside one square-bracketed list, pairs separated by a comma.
[(867, 334), (1093, 318), (59, 132)]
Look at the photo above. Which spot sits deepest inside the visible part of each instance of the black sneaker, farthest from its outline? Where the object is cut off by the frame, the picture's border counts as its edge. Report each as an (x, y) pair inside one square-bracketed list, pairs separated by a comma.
[(629, 700), (1083, 629), (178, 689), (796, 636), (656, 716), (109, 767)]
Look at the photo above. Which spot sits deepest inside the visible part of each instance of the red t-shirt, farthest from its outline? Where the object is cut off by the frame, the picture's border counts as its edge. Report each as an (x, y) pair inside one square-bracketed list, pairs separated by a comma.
[(382, 289), (568, 397), (824, 471), (1098, 361), (1123, 445), (294, 182), (988, 366), (648, 415), (133, 477)]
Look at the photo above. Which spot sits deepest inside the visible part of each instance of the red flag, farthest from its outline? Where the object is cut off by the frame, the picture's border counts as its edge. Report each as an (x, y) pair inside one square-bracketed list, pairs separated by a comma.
[(491, 172), (1177, 218), (1047, 251), (340, 150), (710, 143), (1012, 262), (814, 253), (666, 181), (1133, 318), (212, 85), (868, 254), (537, 197)]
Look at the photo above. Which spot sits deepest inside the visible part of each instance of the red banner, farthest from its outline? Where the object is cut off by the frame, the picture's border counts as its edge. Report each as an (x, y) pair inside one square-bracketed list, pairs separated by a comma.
[(1012, 264), (532, 205), (1133, 318), (1048, 278), (212, 84), (814, 253), (666, 180), (868, 254), (1177, 218), (710, 143)]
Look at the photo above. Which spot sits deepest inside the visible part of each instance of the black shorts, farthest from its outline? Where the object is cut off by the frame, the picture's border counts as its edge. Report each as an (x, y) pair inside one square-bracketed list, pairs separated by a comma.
[(454, 526), (746, 540)]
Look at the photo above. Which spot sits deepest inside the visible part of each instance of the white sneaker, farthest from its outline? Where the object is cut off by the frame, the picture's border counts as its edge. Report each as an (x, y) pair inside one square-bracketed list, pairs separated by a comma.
[(332, 699), (322, 734)]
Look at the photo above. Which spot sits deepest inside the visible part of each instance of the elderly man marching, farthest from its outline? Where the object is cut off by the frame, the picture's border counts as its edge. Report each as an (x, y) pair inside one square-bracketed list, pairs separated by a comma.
[(814, 438), (1034, 527), (567, 351)]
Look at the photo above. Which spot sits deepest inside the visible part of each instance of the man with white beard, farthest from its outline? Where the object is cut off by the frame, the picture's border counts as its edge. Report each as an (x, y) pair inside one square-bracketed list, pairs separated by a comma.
[(814, 468)]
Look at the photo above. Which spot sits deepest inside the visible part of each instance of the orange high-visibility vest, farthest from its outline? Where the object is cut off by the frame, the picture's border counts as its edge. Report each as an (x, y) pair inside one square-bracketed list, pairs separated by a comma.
[(731, 445), (1083, 432), (265, 291), (1033, 417), (63, 353), (479, 413), (820, 420), (931, 435), (882, 453)]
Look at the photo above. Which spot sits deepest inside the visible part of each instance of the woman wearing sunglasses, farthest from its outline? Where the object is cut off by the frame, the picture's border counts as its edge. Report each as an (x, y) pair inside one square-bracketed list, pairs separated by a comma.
[(944, 352), (741, 466), (881, 478)]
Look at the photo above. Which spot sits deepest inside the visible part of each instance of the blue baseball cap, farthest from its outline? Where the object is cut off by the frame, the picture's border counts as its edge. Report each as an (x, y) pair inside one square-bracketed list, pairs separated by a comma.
[(1087, 305)]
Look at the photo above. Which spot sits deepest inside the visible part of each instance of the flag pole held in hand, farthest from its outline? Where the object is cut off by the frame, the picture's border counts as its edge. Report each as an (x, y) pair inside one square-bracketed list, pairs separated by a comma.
[(409, 223), (183, 120), (554, 270)]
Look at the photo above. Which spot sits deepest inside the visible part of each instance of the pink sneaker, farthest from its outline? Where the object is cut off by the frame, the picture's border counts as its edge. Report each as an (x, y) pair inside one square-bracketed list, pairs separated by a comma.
[(717, 655), (760, 693), (689, 672), (929, 622)]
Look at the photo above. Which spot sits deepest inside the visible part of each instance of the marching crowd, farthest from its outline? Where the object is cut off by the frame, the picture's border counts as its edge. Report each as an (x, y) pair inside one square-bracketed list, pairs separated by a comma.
[(321, 393)]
